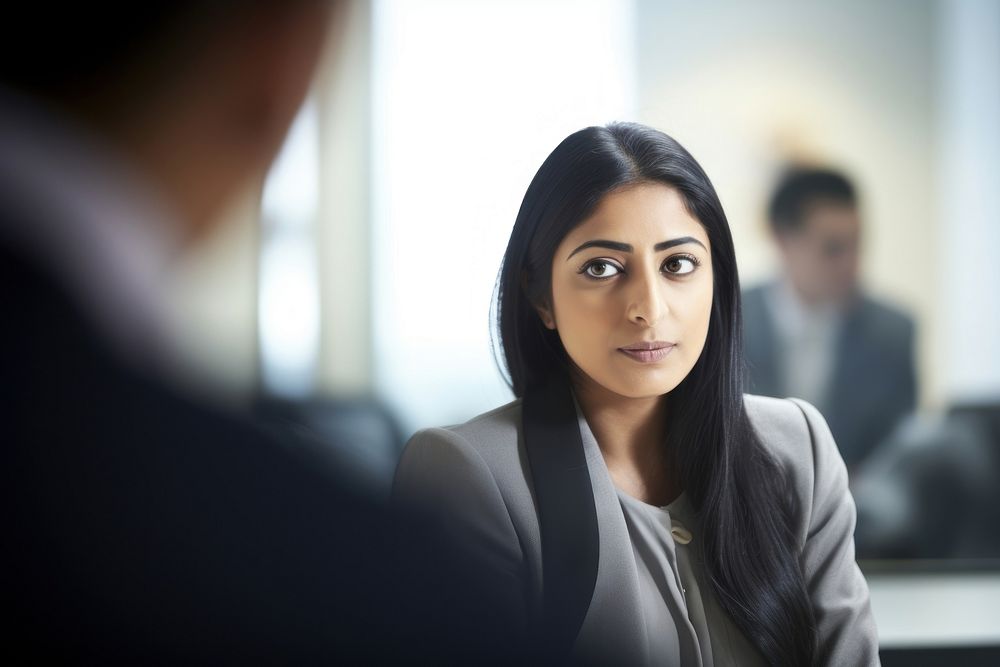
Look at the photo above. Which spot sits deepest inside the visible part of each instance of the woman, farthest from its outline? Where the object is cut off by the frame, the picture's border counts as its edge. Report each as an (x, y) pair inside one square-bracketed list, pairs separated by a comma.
[(634, 505)]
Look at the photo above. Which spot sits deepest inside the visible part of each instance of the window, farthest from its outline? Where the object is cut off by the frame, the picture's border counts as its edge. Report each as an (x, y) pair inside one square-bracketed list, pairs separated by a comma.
[(469, 99)]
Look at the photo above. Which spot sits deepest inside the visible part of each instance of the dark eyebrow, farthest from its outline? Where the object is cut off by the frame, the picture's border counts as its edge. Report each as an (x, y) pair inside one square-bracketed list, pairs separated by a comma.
[(663, 245), (601, 243), (625, 247)]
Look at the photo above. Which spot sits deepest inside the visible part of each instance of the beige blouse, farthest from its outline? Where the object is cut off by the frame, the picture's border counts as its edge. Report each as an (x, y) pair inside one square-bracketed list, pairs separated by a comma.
[(670, 581)]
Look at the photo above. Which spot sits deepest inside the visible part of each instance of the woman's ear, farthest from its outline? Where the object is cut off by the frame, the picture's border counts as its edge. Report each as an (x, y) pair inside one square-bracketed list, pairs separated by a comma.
[(543, 308), (545, 312)]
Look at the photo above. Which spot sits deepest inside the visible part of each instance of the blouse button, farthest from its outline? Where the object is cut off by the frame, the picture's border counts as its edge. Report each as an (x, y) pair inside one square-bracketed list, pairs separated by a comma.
[(680, 534)]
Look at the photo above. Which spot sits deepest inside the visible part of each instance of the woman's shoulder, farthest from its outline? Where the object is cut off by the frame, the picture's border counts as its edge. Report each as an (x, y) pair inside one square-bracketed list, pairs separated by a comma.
[(472, 476), (499, 425), (497, 428), (490, 440), (456, 478), (795, 433), (788, 427)]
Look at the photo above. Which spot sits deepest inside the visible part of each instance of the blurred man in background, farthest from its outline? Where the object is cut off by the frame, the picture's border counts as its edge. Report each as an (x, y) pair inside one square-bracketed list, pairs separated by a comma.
[(140, 520), (813, 333)]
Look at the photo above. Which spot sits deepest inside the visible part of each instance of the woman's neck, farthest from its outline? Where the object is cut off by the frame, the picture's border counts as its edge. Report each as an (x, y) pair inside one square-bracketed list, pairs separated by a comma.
[(631, 433)]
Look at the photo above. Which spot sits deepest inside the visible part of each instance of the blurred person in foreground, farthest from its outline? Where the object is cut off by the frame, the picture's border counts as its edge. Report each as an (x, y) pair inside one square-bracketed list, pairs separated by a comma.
[(813, 333), (141, 520)]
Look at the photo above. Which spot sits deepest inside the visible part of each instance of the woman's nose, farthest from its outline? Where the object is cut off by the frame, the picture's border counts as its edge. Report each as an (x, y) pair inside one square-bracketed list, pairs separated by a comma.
[(647, 305)]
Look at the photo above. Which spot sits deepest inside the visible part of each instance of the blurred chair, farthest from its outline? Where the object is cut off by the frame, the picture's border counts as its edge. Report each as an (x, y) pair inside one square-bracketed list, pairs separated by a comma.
[(932, 490), (358, 434)]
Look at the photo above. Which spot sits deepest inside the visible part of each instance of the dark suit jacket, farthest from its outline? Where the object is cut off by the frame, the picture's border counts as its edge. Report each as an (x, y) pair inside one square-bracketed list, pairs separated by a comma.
[(874, 381), (139, 524), (142, 526)]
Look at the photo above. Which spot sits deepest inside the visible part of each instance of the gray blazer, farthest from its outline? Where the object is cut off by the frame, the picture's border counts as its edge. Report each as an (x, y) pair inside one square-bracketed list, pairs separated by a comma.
[(476, 479)]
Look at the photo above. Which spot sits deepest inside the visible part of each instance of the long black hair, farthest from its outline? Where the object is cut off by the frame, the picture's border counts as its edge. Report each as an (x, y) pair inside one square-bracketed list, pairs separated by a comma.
[(742, 500)]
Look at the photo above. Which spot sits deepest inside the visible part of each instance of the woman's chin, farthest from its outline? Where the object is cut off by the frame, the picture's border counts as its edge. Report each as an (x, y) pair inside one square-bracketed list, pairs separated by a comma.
[(645, 387)]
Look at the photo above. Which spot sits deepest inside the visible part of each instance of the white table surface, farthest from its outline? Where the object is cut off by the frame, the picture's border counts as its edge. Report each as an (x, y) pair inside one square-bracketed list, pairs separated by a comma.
[(936, 609)]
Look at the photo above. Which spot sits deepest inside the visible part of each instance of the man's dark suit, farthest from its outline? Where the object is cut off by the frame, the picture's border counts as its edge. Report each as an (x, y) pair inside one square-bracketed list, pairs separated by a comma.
[(873, 381), (140, 524)]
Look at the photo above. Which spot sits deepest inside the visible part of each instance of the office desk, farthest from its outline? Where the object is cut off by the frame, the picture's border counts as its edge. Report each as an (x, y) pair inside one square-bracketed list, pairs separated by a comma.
[(931, 613)]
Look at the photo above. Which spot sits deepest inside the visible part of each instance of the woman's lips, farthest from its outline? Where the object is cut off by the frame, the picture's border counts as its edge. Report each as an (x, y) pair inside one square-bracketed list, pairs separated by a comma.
[(647, 353)]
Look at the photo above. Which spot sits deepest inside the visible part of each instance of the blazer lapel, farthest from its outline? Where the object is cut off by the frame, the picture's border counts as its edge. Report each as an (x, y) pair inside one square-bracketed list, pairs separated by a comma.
[(614, 630), (590, 585), (566, 514)]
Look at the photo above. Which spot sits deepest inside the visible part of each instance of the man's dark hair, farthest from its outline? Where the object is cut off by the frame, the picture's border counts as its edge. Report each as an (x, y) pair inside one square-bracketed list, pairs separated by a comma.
[(106, 56), (799, 188), (57, 51)]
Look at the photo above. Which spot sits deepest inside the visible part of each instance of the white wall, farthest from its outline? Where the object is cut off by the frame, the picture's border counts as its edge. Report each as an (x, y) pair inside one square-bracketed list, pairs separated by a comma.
[(968, 236)]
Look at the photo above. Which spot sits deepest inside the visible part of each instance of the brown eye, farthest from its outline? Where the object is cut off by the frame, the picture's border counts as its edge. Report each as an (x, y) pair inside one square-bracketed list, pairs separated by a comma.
[(601, 269), (680, 266)]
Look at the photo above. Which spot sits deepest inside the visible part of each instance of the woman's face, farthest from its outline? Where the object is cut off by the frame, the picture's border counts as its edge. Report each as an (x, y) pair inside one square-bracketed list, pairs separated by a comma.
[(632, 292)]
